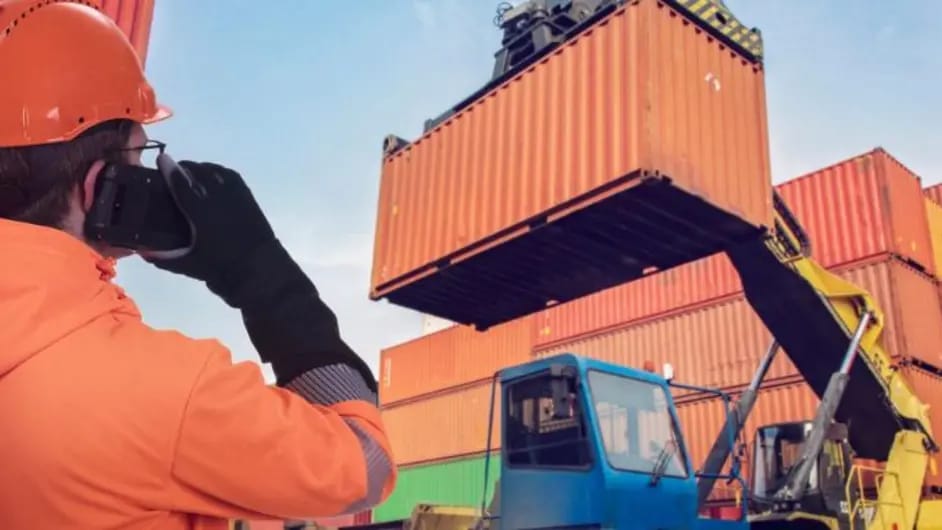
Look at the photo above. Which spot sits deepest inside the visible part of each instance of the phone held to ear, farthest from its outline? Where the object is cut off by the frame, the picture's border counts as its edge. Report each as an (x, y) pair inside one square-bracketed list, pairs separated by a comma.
[(134, 209)]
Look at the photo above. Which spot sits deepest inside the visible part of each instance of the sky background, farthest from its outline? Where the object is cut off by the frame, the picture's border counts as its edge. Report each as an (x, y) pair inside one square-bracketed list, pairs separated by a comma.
[(299, 95)]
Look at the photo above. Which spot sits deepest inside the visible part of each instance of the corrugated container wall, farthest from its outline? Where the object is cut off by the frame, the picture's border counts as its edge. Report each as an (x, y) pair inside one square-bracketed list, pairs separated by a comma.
[(934, 216), (856, 209), (701, 420), (459, 482), (445, 425), (865, 206), (934, 193), (576, 127), (721, 344), (670, 291), (134, 17), (716, 345), (455, 356), (927, 384)]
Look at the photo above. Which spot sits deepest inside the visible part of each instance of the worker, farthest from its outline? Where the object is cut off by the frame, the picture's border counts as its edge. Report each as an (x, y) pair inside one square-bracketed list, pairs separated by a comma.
[(107, 422)]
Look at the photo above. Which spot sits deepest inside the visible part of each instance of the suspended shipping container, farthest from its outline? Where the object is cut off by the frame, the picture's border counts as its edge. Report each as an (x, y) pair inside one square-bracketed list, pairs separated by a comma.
[(134, 17), (868, 205), (720, 344), (444, 425), (457, 482), (856, 209), (455, 356), (639, 144)]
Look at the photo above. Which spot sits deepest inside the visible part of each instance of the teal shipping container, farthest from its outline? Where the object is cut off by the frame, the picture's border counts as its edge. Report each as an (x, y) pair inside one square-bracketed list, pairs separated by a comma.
[(455, 482)]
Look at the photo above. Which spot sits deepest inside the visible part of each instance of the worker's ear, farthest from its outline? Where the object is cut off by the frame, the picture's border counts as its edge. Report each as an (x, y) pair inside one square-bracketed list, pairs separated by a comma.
[(88, 184)]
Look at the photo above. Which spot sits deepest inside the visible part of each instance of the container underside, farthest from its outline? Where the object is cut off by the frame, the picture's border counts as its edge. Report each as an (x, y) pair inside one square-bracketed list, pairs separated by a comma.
[(612, 235)]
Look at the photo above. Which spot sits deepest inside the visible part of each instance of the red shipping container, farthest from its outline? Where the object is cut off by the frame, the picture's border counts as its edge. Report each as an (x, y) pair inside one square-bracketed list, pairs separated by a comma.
[(720, 344), (134, 17), (859, 208), (614, 131), (455, 356), (865, 206)]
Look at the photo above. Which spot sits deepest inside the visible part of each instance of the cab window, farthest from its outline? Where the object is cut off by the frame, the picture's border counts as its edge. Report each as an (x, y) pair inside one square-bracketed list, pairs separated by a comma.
[(545, 426)]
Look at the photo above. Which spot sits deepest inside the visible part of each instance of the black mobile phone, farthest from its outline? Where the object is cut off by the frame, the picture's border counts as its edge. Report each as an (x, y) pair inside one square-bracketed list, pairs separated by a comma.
[(134, 209)]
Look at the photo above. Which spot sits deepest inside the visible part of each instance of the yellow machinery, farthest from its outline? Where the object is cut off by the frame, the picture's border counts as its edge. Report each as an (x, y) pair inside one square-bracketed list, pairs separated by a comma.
[(561, 468), (804, 474)]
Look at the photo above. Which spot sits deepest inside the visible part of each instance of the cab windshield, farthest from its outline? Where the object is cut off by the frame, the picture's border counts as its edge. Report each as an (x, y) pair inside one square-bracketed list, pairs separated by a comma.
[(635, 425)]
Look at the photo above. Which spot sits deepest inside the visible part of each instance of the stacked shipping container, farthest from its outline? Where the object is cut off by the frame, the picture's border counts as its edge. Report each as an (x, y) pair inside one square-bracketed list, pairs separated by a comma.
[(868, 222)]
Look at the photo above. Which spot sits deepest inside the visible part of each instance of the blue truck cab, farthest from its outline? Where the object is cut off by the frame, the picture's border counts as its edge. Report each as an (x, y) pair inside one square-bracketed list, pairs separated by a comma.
[(586, 444)]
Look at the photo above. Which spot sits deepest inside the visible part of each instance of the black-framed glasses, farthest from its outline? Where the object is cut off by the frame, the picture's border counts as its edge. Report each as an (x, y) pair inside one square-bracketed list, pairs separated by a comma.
[(148, 152)]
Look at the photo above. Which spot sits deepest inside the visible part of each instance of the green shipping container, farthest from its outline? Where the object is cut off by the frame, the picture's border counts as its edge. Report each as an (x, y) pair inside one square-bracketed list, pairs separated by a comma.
[(456, 482)]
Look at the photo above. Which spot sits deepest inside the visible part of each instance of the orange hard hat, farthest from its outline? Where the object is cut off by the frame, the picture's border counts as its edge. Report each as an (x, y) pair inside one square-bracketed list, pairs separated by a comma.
[(65, 67)]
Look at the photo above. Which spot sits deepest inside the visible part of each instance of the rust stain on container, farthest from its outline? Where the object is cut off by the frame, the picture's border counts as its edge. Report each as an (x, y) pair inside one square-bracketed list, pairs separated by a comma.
[(442, 426), (134, 17), (934, 216), (561, 169), (455, 356), (865, 206), (720, 344)]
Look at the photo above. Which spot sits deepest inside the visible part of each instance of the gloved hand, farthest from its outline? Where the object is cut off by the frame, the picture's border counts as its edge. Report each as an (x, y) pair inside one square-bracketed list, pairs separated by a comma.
[(229, 225), (237, 254)]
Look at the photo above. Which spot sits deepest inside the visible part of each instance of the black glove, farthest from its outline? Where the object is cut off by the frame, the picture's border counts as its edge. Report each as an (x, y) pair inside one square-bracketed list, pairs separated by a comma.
[(237, 254)]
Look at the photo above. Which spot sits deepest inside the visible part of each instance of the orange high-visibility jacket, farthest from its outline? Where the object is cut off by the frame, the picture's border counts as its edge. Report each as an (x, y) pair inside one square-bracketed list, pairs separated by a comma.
[(108, 423)]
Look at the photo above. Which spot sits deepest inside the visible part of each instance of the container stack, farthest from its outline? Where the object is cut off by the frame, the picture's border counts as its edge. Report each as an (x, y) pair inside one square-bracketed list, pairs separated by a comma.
[(869, 221)]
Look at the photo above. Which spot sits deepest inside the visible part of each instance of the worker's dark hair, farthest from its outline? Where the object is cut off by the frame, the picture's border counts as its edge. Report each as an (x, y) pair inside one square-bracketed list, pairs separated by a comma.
[(36, 181)]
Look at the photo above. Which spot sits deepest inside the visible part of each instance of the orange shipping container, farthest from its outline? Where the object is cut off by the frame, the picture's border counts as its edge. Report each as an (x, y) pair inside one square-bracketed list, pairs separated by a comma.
[(718, 345), (934, 193), (927, 384), (868, 205), (934, 216), (671, 291), (445, 425), (455, 423), (455, 356), (571, 176), (134, 17), (721, 344), (852, 210), (702, 419)]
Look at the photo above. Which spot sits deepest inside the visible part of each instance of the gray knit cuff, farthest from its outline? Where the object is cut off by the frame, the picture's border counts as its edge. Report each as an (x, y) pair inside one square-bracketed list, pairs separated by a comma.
[(332, 384)]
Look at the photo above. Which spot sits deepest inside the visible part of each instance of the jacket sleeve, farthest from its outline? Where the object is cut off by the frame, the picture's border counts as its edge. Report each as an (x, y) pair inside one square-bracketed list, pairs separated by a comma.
[(315, 448)]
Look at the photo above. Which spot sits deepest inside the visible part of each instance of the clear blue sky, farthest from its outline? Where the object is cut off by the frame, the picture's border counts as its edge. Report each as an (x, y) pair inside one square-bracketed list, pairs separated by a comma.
[(297, 95)]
